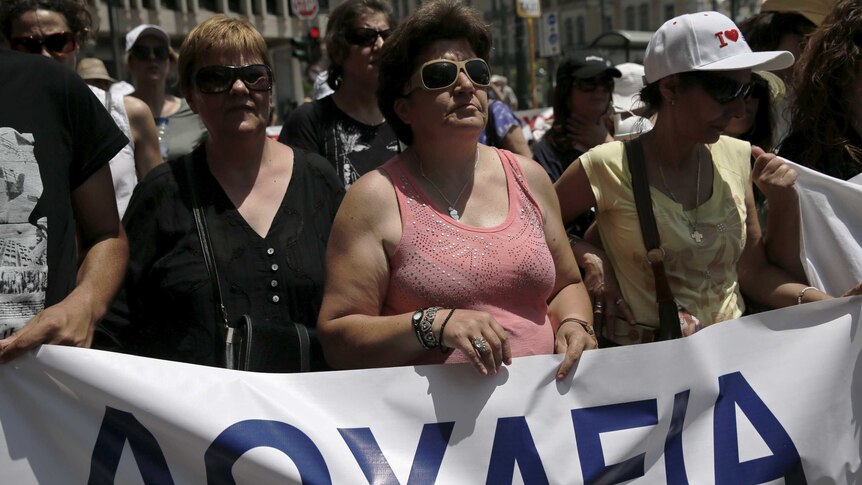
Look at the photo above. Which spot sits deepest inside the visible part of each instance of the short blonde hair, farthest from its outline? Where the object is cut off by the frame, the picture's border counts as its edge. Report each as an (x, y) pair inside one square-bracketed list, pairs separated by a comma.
[(220, 34)]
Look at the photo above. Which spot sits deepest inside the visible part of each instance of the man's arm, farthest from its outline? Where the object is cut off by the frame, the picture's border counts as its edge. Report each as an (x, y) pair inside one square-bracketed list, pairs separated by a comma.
[(105, 250), (143, 127)]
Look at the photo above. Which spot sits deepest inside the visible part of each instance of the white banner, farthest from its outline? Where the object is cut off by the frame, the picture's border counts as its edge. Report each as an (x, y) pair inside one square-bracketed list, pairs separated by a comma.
[(757, 400), (831, 230)]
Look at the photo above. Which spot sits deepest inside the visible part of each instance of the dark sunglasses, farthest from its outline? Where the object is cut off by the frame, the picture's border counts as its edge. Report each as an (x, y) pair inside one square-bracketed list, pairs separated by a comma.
[(722, 89), (592, 83), (219, 79), (442, 73), (142, 52), (366, 36), (59, 43)]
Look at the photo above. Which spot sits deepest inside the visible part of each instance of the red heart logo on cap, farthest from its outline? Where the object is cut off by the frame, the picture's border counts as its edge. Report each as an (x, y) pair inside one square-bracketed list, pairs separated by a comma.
[(732, 34)]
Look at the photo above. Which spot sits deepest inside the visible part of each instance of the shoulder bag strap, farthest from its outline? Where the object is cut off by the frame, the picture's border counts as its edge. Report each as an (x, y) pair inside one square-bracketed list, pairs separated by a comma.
[(668, 316), (209, 259)]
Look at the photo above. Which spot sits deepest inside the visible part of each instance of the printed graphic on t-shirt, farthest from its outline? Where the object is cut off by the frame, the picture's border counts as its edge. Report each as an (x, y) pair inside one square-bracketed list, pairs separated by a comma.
[(23, 246), (354, 153)]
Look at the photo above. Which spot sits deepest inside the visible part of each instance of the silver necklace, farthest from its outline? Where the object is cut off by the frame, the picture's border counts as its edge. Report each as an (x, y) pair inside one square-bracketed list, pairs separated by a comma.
[(695, 235), (453, 212)]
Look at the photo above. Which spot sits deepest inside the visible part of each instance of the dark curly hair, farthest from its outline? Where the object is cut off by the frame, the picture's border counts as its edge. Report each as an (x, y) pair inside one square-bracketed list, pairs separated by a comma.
[(435, 20), (763, 31), (827, 69), (75, 11), (342, 20)]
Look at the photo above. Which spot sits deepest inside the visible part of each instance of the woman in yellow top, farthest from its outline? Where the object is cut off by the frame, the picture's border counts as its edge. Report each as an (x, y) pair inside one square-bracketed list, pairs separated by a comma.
[(700, 183)]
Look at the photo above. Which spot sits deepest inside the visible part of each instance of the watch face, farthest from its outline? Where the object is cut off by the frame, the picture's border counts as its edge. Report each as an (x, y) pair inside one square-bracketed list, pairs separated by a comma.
[(417, 316)]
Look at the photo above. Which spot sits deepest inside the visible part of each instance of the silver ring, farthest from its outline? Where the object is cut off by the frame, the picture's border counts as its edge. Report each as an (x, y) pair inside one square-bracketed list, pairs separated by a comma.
[(479, 344)]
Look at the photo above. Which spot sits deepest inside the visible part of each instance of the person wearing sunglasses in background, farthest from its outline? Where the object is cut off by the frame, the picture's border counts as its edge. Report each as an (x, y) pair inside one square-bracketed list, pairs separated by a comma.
[(452, 251), (150, 61), (57, 207), (57, 29), (701, 188), (347, 127), (268, 209)]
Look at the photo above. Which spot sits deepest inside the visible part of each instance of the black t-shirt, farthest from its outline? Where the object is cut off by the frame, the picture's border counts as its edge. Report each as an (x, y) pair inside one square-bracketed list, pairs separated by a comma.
[(353, 148), (54, 134), (167, 310), (555, 163)]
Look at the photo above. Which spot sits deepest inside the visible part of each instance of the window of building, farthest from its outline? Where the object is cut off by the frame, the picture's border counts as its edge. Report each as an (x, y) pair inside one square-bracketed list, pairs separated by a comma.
[(580, 31), (272, 7), (569, 32), (148, 4), (210, 5), (170, 4), (643, 17), (630, 18), (609, 22), (669, 12), (234, 5)]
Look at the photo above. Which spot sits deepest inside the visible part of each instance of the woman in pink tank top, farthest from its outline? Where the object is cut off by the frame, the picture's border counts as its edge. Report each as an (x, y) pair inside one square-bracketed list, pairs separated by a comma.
[(452, 251)]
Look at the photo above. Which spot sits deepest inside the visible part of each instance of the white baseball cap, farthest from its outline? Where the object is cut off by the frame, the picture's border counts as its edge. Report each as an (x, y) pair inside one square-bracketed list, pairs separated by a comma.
[(627, 88), (150, 29), (705, 41)]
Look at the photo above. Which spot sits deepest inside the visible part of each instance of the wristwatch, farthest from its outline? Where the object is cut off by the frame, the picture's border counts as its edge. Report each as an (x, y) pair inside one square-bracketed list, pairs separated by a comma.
[(417, 318)]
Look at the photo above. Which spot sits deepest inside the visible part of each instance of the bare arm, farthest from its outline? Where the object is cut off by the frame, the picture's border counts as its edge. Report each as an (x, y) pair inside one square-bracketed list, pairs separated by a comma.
[(761, 279), (569, 299), (105, 248), (143, 127), (515, 142), (783, 227)]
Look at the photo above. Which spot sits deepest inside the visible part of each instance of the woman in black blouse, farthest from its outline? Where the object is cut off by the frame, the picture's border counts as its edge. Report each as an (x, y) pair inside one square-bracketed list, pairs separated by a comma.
[(268, 209)]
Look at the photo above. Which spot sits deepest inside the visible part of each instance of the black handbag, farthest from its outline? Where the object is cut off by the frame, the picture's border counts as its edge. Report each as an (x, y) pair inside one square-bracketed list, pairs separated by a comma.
[(259, 345)]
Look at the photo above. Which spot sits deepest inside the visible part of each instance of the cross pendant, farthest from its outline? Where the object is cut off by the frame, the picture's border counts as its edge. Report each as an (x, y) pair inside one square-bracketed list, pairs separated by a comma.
[(697, 236)]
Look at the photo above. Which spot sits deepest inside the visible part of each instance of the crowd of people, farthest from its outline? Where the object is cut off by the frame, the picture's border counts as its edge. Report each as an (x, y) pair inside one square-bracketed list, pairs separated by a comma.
[(403, 218)]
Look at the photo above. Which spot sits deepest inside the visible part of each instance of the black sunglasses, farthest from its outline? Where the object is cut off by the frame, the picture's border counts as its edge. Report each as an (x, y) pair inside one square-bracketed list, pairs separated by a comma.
[(59, 43), (442, 73), (366, 36), (142, 52), (722, 89), (592, 83), (219, 79)]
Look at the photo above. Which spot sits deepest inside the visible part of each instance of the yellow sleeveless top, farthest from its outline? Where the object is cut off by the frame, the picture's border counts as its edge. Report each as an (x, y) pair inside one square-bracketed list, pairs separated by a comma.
[(703, 276)]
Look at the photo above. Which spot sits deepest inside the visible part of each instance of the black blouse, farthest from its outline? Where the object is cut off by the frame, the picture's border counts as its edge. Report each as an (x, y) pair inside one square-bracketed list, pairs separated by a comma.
[(166, 309)]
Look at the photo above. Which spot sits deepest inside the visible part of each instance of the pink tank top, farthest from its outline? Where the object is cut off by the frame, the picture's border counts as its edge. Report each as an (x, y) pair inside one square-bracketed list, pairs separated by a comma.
[(506, 271)]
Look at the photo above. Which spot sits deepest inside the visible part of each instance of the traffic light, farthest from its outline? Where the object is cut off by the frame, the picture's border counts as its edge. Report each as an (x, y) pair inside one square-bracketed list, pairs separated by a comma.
[(314, 51), (300, 48), (307, 48)]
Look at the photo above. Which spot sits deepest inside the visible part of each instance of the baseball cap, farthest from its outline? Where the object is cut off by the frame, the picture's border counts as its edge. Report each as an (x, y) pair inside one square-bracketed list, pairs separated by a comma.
[(91, 68), (583, 65), (813, 10), (627, 88), (149, 29), (705, 41)]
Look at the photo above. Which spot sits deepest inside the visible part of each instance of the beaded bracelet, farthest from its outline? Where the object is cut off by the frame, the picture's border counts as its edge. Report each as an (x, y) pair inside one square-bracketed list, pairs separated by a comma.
[(443, 348), (802, 294), (586, 326)]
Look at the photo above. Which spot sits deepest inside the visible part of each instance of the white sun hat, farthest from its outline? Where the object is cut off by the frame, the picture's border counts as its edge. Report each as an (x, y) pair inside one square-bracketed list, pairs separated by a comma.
[(705, 41)]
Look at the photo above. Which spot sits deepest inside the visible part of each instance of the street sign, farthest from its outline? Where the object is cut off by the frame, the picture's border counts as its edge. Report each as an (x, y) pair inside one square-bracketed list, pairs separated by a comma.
[(528, 9), (549, 35), (304, 9)]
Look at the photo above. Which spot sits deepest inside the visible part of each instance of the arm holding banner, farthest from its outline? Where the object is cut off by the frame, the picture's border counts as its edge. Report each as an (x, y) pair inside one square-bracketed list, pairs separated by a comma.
[(783, 229), (570, 301), (763, 280)]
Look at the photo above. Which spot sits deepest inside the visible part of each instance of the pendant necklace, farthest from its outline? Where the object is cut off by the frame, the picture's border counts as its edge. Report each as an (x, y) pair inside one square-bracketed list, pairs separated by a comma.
[(695, 235), (453, 212)]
